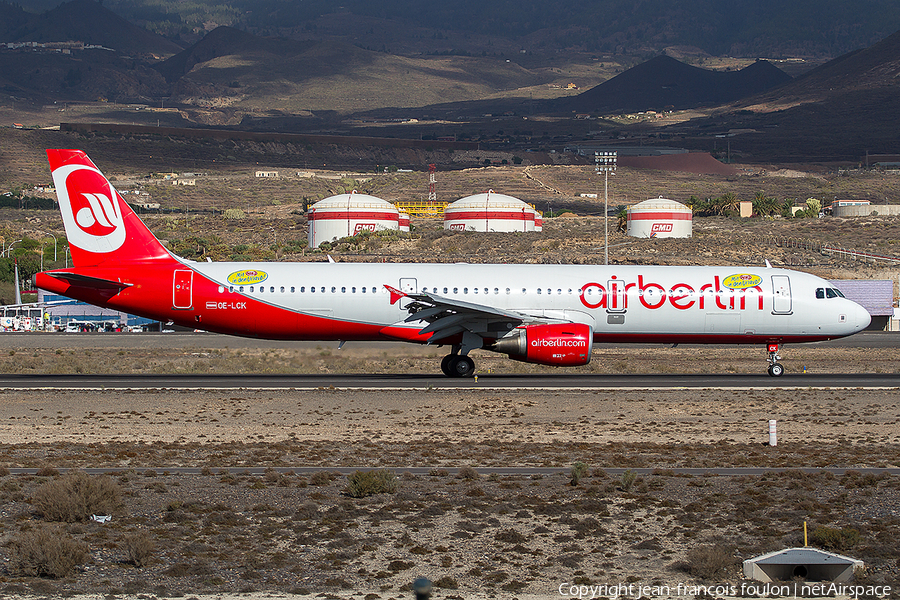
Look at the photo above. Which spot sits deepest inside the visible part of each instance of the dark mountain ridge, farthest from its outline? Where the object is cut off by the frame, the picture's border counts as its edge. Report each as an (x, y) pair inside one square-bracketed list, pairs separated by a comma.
[(665, 83)]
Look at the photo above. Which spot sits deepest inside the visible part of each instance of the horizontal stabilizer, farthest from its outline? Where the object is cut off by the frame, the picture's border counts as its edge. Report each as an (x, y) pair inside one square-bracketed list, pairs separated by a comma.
[(86, 281)]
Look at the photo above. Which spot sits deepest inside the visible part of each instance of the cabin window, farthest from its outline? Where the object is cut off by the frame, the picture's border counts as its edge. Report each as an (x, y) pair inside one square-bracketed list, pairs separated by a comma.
[(465, 290), (474, 290), (302, 289), (559, 292), (333, 290), (251, 289), (353, 290), (507, 291), (485, 290), (343, 290), (539, 290), (445, 290), (496, 291), (311, 289), (272, 289), (524, 291), (292, 289), (230, 288), (322, 289), (363, 290), (241, 289), (455, 290)]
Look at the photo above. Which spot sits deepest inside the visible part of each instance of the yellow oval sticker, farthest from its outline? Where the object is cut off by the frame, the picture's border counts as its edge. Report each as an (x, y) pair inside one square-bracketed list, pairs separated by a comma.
[(247, 277), (741, 281)]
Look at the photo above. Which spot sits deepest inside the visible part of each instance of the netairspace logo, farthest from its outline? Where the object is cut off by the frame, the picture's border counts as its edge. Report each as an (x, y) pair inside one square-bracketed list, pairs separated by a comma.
[(746, 589)]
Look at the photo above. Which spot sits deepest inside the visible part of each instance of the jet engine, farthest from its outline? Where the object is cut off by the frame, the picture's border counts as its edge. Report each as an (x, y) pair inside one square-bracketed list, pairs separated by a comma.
[(557, 344)]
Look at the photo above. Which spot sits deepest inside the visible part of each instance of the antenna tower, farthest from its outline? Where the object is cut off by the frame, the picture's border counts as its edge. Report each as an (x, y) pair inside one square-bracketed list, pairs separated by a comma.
[(432, 194)]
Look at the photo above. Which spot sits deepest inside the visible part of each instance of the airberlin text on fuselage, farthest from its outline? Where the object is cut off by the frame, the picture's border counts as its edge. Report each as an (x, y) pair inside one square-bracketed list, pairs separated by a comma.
[(614, 295)]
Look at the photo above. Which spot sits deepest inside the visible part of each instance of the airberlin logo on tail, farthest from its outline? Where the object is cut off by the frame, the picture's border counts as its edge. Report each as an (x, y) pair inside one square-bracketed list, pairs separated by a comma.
[(90, 208)]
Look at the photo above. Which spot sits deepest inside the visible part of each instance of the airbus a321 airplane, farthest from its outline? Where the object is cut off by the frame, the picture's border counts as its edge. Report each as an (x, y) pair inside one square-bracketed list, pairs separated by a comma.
[(545, 314)]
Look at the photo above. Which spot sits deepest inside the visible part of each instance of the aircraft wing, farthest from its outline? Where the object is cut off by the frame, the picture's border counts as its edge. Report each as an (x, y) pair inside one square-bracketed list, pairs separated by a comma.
[(447, 316)]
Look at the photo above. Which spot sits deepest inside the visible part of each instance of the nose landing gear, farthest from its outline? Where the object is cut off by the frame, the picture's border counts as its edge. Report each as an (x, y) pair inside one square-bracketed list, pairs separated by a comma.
[(775, 368)]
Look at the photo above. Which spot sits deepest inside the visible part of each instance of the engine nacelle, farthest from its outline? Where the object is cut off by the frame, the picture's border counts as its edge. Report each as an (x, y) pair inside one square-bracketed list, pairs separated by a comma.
[(557, 345)]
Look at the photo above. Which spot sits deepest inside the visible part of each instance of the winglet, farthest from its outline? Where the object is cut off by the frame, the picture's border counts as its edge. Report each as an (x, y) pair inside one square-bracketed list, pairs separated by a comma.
[(395, 293)]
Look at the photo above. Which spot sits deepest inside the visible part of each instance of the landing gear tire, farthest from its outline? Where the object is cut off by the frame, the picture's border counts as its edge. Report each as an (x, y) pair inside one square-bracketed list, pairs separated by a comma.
[(776, 370), (458, 366), (445, 364)]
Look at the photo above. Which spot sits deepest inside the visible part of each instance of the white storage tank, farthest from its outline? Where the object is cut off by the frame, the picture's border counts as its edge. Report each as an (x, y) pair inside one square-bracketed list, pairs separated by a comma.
[(489, 211), (659, 217), (344, 215), (404, 222), (538, 221)]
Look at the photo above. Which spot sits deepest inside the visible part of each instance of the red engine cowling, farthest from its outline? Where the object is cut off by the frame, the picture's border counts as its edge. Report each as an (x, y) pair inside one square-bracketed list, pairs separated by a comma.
[(558, 345)]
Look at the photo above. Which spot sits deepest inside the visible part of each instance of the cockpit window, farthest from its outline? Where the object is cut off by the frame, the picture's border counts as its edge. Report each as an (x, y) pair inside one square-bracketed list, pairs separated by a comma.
[(828, 293)]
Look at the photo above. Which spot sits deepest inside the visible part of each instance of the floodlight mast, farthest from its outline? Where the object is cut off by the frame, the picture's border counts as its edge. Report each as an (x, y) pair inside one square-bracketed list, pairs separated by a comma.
[(605, 162)]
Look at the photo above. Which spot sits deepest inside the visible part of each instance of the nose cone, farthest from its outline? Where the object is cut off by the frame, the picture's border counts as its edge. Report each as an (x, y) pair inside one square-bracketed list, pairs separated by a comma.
[(862, 316)]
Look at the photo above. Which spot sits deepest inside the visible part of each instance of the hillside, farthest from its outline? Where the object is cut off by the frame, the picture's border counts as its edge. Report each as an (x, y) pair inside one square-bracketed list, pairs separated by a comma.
[(89, 22), (838, 111), (873, 68), (230, 67), (663, 82)]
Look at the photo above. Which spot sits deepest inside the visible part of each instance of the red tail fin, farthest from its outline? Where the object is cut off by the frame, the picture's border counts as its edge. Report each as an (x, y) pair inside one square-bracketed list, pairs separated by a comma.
[(101, 227)]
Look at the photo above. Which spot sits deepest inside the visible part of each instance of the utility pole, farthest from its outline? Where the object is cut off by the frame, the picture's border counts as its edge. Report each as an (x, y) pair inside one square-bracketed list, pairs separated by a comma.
[(605, 162)]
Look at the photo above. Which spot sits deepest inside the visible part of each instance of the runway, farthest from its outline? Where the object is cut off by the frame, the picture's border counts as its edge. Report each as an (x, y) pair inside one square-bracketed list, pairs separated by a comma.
[(31, 340), (563, 381)]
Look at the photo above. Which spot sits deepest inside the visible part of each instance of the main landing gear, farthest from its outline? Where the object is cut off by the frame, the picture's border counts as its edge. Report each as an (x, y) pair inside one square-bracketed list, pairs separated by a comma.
[(775, 369), (455, 365), (458, 363)]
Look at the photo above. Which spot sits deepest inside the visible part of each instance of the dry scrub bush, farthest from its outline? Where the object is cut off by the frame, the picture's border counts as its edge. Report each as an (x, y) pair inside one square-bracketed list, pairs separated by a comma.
[(579, 471), (831, 538), (45, 552), (368, 483), (709, 562), (138, 548), (76, 496), (468, 473)]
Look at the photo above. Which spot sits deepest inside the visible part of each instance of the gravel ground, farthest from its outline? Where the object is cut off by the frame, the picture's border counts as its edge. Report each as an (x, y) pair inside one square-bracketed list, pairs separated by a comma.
[(476, 535)]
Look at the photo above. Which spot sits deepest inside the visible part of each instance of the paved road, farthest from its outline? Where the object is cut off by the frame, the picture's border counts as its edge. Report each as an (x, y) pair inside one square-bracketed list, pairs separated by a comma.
[(424, 382)]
